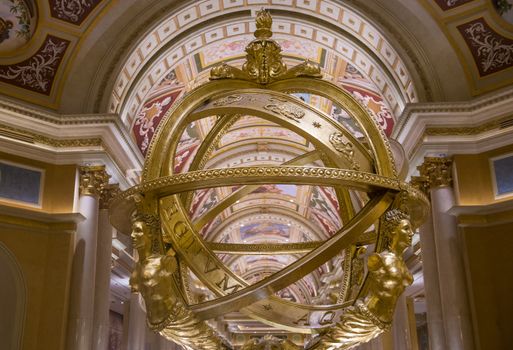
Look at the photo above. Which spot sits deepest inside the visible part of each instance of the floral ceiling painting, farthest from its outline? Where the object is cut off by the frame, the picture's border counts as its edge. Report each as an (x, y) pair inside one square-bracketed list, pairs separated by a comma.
[(37, 73), (450, 4), (72, 11), (18, 20), (491, 51)]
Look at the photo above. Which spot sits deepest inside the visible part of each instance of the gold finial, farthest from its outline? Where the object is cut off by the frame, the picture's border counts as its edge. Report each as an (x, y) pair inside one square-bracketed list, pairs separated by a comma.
[(264, 21), (264, 63)]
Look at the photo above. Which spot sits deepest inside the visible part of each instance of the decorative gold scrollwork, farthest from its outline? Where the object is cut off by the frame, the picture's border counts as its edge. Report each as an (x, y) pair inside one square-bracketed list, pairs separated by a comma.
[(287, 110), (345, 148), (227, 100)]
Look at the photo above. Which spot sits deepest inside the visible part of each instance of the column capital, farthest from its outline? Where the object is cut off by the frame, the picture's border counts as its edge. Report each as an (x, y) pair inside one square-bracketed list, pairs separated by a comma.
[(108, 192), (434, 172), (421, 183), (92, 180)]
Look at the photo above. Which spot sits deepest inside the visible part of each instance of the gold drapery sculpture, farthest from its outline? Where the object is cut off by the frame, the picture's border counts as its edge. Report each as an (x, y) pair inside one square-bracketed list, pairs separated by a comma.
[(155, 212)]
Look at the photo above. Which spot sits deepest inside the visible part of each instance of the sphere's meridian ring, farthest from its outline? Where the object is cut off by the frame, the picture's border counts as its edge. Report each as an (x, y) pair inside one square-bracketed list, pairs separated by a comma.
[(374, 134), (293, 114)]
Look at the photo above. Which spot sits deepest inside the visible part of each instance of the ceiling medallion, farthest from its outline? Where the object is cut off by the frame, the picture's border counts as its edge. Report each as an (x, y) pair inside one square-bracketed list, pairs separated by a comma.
[(375, 205)]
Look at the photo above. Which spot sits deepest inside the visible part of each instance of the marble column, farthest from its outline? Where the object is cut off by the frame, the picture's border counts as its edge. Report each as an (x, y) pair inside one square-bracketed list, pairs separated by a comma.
[(432, 287), (401, 326), (136, 324), (81, 310), (451, 274), (103, 269)]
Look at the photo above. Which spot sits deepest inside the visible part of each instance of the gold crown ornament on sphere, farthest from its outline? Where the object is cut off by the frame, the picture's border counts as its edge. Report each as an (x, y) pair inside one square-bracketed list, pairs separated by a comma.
[(377, 208)]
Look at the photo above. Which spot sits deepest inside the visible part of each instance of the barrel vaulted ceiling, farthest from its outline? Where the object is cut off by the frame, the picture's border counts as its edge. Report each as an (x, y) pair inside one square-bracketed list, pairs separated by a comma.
[(103, 56)]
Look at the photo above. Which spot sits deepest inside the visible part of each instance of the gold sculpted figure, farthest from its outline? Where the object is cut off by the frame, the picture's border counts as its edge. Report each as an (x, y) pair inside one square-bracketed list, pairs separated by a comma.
[(388, 277), (153, 278)]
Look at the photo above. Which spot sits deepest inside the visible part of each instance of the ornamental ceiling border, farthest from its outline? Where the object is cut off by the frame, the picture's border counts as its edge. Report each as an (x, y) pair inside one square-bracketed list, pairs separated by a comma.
[(184, 18), (482, 40), (72, 11), (435, 128), (184, 51)]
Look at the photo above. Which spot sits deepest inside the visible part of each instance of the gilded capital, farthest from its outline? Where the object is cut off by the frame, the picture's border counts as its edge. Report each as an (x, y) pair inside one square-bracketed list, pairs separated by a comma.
[(436, 172), (421, 183), (108, 192), (92, 180)]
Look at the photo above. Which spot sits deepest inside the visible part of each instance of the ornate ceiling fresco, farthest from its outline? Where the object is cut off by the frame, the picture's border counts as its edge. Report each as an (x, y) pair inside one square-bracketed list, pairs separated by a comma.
[(18, 19), (37, 42), (346, 36), (482, 37), (41, 43)]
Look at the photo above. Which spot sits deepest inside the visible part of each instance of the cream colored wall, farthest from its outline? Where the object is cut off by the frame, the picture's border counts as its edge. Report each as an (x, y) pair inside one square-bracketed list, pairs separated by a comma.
[(489, 266), (42, 244), (58, 187), (45, 259), (473, 177), (488, 239)]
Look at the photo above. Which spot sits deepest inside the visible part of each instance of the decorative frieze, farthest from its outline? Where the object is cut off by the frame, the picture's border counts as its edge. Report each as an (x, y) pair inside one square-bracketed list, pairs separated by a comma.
[(92, 180)]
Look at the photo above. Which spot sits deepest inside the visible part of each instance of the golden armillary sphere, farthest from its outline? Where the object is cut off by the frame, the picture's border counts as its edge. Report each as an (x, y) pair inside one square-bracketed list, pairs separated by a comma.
[(377, 208)]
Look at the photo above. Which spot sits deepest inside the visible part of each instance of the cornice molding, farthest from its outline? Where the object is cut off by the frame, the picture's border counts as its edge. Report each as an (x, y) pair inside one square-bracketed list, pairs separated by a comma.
[(434, 129), (56, 138), (413, 111)]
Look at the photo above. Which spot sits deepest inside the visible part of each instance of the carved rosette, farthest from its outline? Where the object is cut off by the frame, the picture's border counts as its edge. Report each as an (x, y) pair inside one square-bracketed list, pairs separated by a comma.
[(92, 180), (435, 172), (107, 193)]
